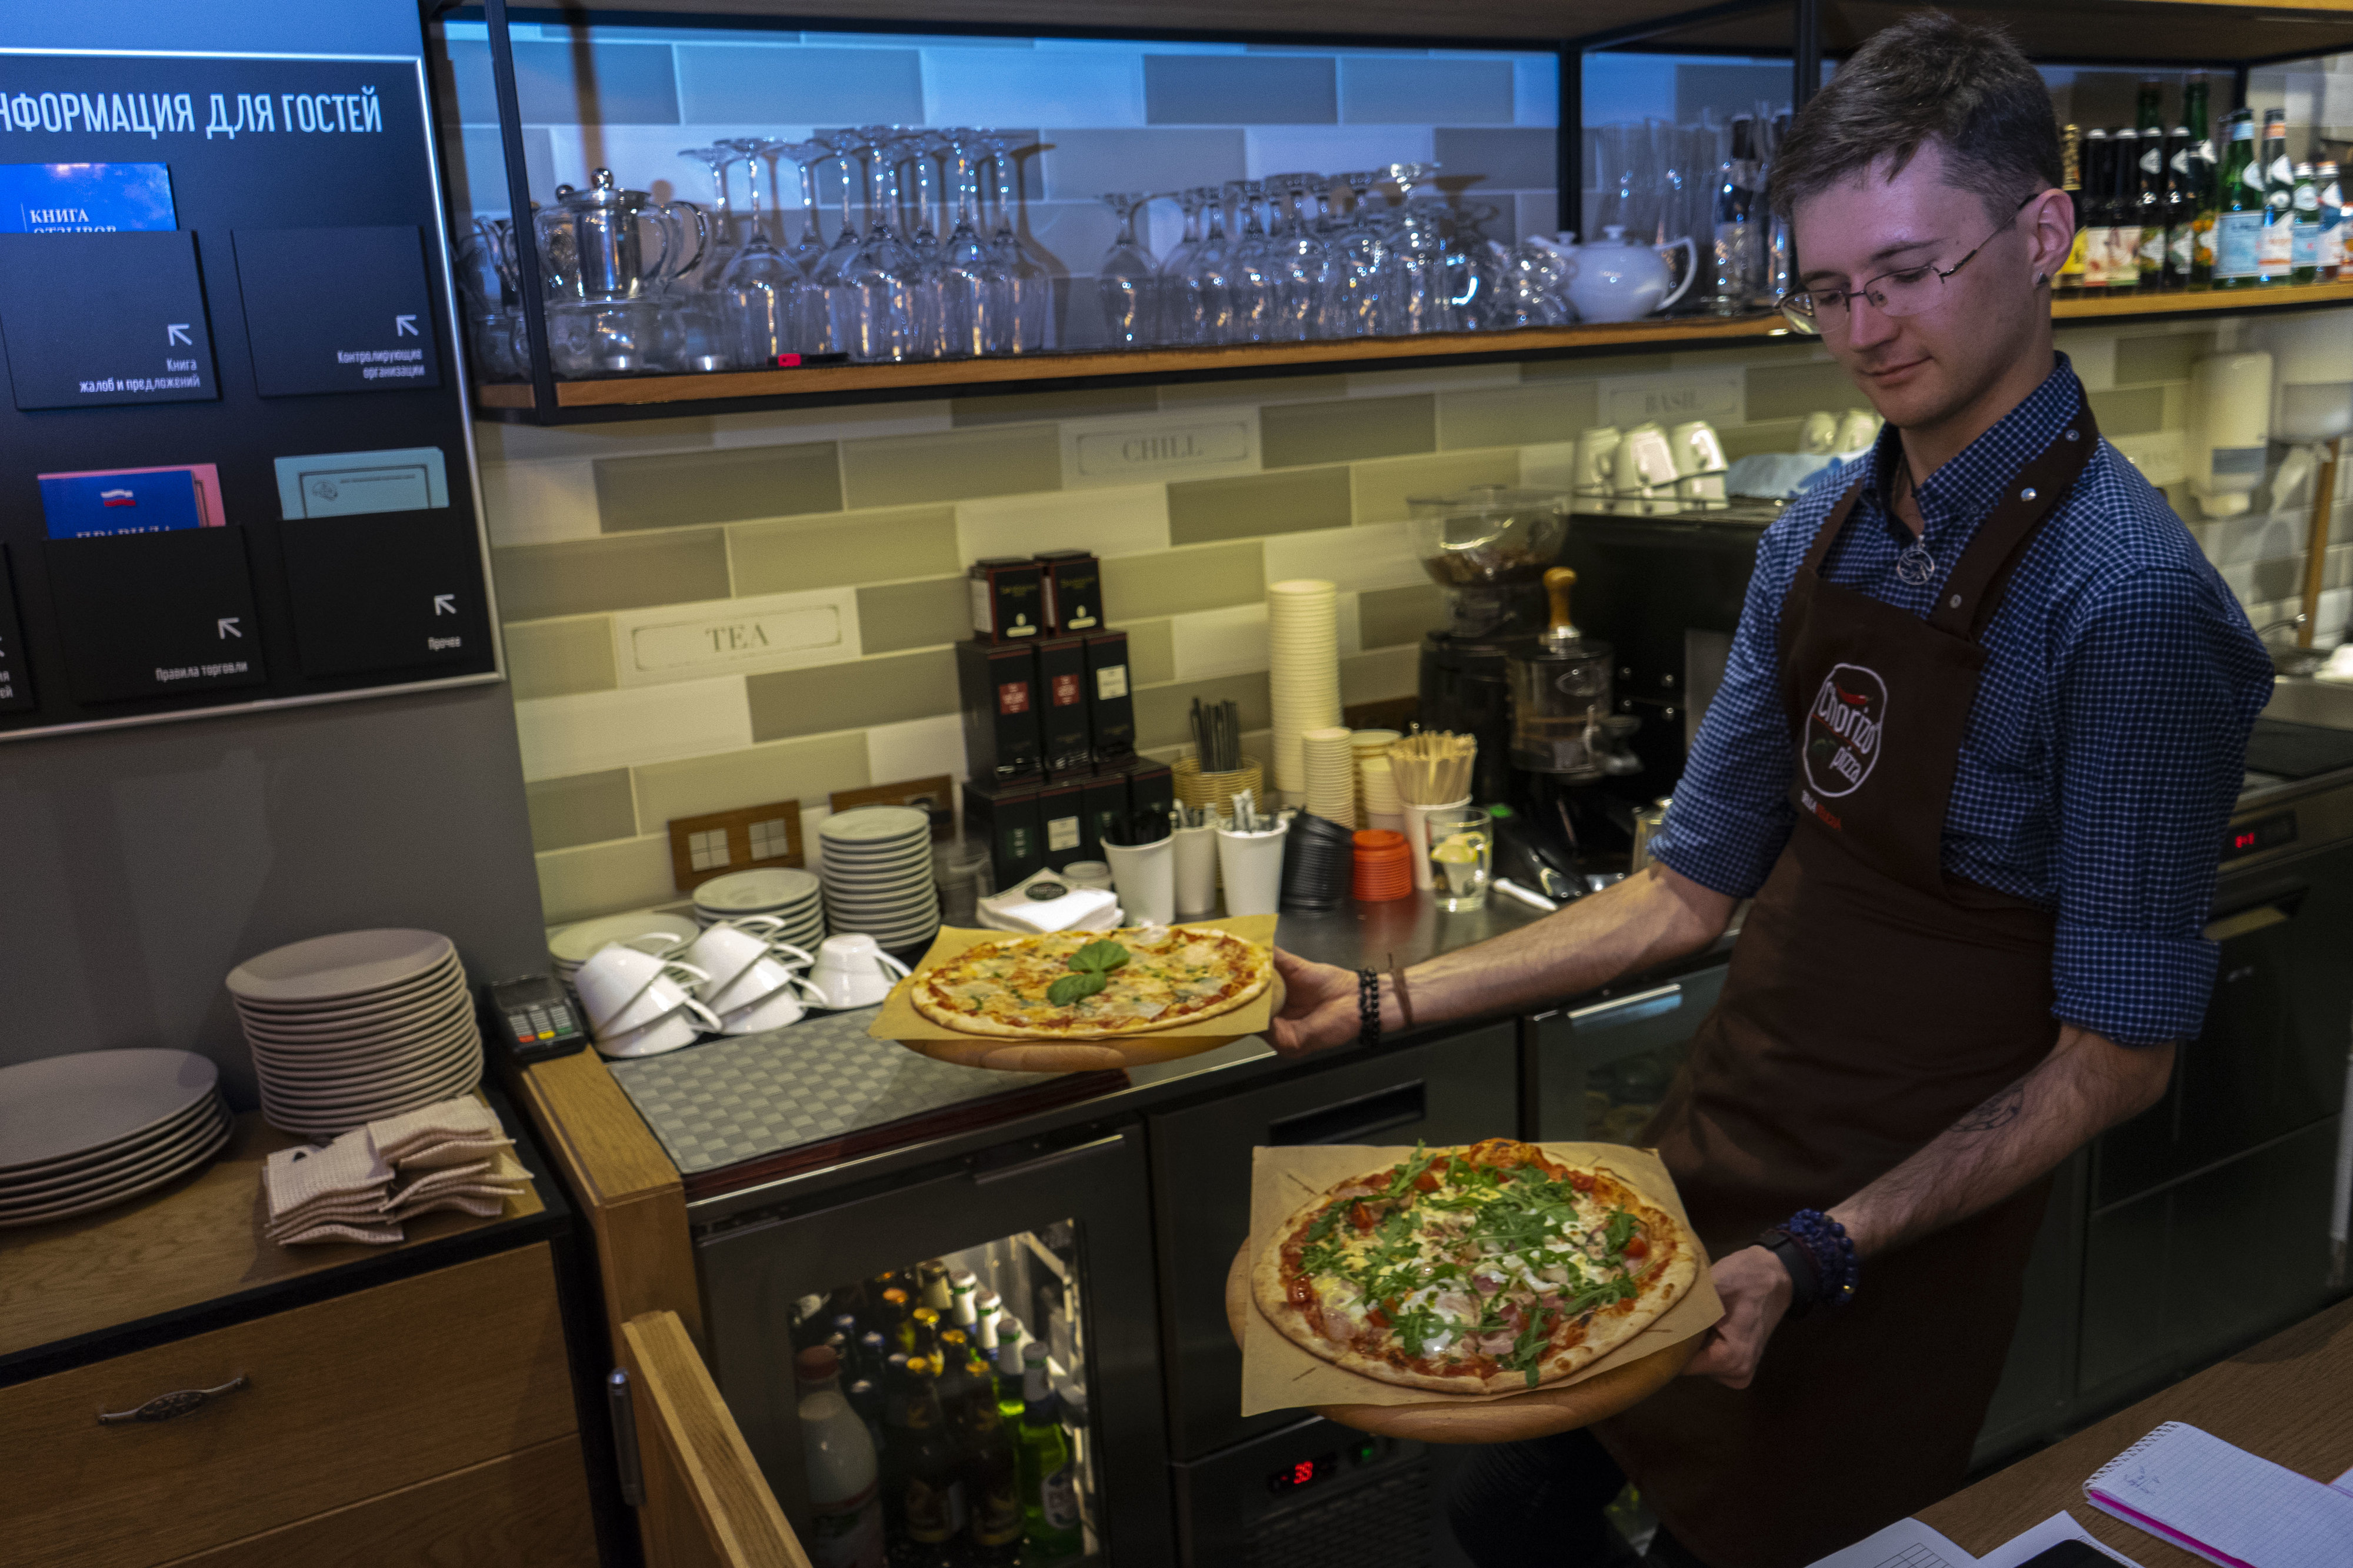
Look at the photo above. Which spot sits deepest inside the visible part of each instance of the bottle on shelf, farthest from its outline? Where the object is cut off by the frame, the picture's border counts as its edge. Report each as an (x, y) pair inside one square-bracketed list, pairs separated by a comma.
[(2149, 203), (1050, 1488), (2097, 177), (964, 1298), (865, 1396), (2303, 257), (872, 1350), (892, 1319), (954, 1375), (1737, 254), (992, 1477), (2238, 210), (2123, 212), (2205, 163), (2275, 247), (1010, 1338), (2181, 207), (923, 1327), (844, 1481), (2332, 222), (2071, 163), (988, 1310), (933, 1500), (934, 1275), (808, 1325), (898, 1448), (2148, 112)]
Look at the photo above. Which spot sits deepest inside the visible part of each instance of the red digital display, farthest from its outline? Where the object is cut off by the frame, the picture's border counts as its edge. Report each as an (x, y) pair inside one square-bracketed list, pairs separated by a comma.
[(2264, 832), (1305, 1472)]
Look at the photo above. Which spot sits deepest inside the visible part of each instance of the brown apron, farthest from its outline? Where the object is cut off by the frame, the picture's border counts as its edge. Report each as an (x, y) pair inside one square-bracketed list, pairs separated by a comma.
[(1871, 1001)]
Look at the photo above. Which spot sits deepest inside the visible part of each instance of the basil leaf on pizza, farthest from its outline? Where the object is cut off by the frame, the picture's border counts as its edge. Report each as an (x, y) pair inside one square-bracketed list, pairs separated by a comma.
[(1083, 986), (1476, 1270)]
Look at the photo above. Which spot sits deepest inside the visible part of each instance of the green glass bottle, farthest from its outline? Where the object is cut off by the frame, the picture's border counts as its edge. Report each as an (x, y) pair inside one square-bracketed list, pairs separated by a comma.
[(2200, 190), (2238, 210), (2304, 256), (2181, 208), (2149, 115), (2275, 251), (2149, 203), (1049, 1482), (1011, 1338)]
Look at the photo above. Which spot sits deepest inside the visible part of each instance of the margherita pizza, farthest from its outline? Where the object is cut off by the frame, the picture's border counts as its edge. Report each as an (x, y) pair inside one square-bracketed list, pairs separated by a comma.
[(1481, 1270), (1093, 985)]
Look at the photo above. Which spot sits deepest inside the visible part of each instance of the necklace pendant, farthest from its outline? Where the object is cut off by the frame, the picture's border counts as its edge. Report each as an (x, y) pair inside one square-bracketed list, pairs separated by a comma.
[(1915, 566)]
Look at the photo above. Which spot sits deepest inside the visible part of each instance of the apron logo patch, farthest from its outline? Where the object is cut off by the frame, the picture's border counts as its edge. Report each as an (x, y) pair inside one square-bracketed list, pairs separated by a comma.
[(1843, 730)]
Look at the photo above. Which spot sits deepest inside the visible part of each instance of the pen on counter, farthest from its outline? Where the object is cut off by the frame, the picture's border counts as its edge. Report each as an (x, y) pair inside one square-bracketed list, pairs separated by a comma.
[(1534, 901)]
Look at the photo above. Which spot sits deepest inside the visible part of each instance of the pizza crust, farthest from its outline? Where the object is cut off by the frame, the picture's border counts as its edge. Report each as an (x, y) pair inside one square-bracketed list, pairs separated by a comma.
[(1259, 975), (1665, 1280)]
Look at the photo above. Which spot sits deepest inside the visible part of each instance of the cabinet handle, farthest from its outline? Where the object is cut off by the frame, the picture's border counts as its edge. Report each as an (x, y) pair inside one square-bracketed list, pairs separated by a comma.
[(1629, 1009), (172, 1406), (1059, 1157), (1353, 1120)]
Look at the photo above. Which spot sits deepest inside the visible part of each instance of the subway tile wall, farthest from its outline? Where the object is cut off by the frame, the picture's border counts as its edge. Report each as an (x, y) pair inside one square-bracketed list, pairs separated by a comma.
[(1107, 116), (849, 529)]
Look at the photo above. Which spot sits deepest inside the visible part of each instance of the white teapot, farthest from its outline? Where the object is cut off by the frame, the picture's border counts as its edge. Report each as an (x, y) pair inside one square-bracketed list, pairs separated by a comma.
[(1615, 280)]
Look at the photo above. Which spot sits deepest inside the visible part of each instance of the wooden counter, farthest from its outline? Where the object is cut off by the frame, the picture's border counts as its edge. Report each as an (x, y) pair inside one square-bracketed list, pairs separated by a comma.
[(2289, 1400)]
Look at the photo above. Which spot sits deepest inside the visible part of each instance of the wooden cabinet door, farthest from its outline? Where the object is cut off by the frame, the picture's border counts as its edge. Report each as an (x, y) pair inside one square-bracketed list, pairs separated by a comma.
[(706, 1504)]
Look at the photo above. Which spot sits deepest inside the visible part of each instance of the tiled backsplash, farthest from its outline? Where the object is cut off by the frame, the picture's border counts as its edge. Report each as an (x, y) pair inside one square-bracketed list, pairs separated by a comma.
[(631, 559)]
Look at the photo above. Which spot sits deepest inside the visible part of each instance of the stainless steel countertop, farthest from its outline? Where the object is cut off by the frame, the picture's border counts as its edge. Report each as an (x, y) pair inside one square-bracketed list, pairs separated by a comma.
[(1355, 935)]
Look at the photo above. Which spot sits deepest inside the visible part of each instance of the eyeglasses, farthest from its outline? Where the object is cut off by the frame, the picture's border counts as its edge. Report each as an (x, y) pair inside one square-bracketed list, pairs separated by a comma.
[(1910, 291)]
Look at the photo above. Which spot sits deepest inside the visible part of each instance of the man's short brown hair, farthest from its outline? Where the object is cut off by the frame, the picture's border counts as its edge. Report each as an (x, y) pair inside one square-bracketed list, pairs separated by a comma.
[(1929, 78)]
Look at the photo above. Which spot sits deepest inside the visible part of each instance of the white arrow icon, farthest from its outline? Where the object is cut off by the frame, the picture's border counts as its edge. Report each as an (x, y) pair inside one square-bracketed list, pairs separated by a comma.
[(226, 627), (445, 603), (403, 327), (177, 332)]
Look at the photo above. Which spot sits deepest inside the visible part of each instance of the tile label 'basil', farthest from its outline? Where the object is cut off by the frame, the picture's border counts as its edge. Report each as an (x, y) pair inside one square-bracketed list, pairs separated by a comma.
[(725, 637), (1715, 395), (1137, 452)]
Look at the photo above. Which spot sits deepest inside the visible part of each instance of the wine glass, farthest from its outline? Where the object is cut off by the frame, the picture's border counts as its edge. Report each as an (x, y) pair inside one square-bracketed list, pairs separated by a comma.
[(1203, 304), (1127, 279), (1252, 278), (1352, 307), (879, 279), (831, 306), (975, 293), (1176, 323), (1415, 277), (722, 247), (809, 248), (1030, 287), (760, 292), (1301, 264)]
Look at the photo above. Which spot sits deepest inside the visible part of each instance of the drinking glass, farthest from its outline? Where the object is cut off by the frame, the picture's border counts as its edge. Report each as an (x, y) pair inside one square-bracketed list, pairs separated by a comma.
[(1027, 282), (879, 279), (1473, 267), (1253, 284), (807, 250), (1302, 263), (1352, 305), (975, 293), (831, 305), (1175, 326), (1127, 279), (760, 292), (724, 237), (1414, 280), (1202, 302), (1462, 857)]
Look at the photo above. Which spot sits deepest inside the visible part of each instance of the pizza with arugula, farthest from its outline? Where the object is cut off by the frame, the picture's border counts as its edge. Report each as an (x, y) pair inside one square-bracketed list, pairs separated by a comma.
[(1486, 1269), (1080, 985)]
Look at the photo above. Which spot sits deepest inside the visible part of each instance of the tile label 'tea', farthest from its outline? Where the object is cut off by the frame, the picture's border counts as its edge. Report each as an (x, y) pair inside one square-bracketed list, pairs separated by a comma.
[(721, 637), (1137, 452), (1717, 396)]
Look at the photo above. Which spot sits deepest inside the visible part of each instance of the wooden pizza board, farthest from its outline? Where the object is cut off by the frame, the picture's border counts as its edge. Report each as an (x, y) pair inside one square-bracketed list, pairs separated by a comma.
[(1536, 1413), (900, 1021)]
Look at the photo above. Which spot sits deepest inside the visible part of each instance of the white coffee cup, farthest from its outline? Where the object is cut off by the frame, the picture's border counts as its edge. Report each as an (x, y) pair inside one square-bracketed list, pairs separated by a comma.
[(680, 1027), (1595, 445), (662, 994), (1251, 864), (763, 979), (1697, 449), (1817, 435), (612, 978), (852, 971), (1145, 876), (781, 1006), (1858, 428), (728, 950), (1195, 880)]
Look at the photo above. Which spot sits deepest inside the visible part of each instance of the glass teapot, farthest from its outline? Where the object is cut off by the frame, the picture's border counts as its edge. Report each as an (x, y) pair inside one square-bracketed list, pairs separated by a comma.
[(592, 242), (1615, 279)]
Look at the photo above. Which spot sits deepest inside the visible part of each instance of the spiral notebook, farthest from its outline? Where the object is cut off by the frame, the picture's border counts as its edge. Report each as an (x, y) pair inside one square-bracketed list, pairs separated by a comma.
[(2189, 1487)]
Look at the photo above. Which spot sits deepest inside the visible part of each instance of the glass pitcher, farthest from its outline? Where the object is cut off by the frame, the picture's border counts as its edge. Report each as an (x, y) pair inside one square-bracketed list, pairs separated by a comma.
[(592, 242)]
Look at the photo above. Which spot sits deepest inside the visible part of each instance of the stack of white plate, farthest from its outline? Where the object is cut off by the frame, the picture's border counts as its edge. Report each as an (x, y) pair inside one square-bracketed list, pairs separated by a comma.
[(879, 878), (570, 947), (350, 1028), (793, 897), (1303, 646), (91, 1129)]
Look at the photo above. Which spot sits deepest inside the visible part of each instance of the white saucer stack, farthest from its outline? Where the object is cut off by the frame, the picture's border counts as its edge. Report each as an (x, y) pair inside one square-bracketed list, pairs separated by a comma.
[(570, 947), (879, 878), (791, 896), (89, 1130), (363, 1024)]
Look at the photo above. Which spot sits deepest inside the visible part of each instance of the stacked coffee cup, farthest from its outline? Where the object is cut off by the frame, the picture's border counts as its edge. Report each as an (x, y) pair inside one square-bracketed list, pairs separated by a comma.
[(752, 976), (640, 1003)]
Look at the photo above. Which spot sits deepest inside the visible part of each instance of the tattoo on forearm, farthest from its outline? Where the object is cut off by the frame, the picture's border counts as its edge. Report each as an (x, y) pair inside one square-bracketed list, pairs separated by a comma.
[(1997, 1112)]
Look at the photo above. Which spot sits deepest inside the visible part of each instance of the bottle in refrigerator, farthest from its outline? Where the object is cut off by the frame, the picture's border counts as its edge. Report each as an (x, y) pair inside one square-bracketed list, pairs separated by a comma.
[(2205, 164), (2149, 201), (925, 1331), (892, 1317), (871, 1351), (934, 1277), (1050, 1484), (2238, 210), (2096, 223), (844, 1482), (955, 1364), (987, 1309), (2332, 222), (2181, 207), (964, 1298), (2148, 114), (1010, 1340), (2123, 212), (2304, 255), (2275, 245), (2071, 163), (992, 1482), (932, 1499), (865, 1396)]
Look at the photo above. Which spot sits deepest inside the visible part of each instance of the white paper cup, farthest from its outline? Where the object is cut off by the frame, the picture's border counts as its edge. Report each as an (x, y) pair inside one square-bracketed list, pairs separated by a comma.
[(1145, 877), (1251, 864), (1417, 836), (1195, 856)]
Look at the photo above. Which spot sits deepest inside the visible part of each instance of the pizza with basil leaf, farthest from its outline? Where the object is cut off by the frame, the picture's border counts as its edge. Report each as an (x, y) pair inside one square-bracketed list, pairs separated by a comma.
[(1487, 1269), (1085, 985)]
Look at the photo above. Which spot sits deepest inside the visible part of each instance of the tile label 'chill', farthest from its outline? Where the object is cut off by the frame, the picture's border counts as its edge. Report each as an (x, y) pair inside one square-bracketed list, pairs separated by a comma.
[(1133, 451)]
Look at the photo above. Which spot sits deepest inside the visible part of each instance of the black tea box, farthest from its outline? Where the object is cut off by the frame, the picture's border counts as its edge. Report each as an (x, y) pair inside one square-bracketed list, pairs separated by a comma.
[(1062, 820), (1106, 819), (1006, 816), (1111, 710), (1073, 591), (1062, 704), (1008, 599), (997, 684)]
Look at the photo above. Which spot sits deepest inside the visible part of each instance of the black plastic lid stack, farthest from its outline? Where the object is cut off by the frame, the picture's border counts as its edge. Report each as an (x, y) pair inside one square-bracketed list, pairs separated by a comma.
[(1318, 860)]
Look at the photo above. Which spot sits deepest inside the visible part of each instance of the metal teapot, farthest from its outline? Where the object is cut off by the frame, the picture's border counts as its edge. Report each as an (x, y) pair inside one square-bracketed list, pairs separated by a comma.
[(592, 242), (1616, 281)]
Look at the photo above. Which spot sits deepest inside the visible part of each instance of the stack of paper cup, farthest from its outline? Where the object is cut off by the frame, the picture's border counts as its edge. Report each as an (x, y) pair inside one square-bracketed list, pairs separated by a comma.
[(1369, 746), (1302, 635), (1331, 774), (1383, 807)]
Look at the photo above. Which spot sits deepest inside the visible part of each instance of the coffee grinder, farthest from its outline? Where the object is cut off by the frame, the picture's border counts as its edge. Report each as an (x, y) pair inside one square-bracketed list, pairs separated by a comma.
[(1568, 744), (1488, 548)]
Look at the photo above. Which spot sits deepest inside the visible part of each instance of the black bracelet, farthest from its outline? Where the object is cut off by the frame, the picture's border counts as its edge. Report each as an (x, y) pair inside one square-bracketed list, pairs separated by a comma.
[(1368, 1006), (1803, 1285)]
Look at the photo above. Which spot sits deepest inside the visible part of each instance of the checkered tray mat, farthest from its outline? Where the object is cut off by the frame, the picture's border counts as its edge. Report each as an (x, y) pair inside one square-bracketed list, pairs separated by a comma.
[(728, 1101)]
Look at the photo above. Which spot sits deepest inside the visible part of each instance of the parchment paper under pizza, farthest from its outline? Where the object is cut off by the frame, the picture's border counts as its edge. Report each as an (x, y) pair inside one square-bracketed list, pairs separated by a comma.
[(1384, 1276)]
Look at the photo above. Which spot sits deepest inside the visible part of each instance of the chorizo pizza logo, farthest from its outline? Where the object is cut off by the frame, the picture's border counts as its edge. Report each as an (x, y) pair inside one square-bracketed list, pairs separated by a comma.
[(1843, 730)]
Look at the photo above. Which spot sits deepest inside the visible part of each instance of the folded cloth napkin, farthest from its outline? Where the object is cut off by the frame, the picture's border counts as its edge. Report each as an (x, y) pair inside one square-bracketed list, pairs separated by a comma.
[(452, 1155), (412, 1132), (344, 1174), (376, 1235)]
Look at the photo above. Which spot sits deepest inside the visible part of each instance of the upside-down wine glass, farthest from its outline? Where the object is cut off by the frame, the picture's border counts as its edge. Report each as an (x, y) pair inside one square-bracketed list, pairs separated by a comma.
[(1027, 282), (1415, 279), (1302, 264), (1353, 307), (1127, 279), (829, 304), (723, 239), (879, 279), (976, 296), (1176, 325), (1251, 273), (1204, 303), (760, 292)]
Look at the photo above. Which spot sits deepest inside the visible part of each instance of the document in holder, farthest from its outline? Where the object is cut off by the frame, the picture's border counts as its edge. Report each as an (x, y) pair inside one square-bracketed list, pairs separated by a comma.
[(346, 484), (86, 198), (2189, 1487)]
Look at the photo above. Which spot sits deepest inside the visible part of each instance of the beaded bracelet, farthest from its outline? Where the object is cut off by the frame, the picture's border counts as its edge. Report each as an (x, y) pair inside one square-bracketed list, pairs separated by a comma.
[(1832, 1253), (1368, 1006)]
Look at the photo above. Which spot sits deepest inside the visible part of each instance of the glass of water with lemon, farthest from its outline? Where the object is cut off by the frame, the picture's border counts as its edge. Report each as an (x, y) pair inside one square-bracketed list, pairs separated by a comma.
[(1462, 857)]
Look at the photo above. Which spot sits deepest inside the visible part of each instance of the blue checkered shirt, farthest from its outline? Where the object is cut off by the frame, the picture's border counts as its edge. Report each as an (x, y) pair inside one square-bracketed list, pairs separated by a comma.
[(2104, 751)]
